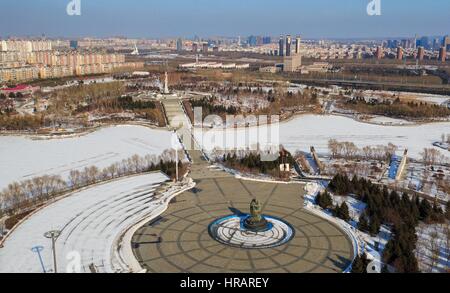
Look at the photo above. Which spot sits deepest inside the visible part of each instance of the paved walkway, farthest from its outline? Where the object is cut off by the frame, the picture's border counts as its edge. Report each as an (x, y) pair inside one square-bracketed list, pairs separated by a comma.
[(178, 241)]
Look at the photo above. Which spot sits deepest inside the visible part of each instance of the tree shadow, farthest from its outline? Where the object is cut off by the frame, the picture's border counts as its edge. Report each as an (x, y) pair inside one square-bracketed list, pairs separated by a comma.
[(195, 190), (340, 262), (237, 212), (158, 221)]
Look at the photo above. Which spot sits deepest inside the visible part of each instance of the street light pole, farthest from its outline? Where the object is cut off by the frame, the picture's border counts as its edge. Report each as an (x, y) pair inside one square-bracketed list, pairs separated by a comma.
[(53, 235), (176, 164)]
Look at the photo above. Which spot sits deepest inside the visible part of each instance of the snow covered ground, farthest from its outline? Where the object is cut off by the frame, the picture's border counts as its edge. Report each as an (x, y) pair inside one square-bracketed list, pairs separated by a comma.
[(90, 221), (315, 130), (433, 240), (389, 121), (433, 99), (355, 207), (22, 158)]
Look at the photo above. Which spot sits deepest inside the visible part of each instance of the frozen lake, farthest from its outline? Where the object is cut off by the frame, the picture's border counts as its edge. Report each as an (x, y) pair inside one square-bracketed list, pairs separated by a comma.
[(305, 131), (22, 158)]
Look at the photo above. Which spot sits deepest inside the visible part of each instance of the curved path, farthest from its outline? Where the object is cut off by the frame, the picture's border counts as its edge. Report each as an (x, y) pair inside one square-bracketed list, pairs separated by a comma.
[(178, 240)]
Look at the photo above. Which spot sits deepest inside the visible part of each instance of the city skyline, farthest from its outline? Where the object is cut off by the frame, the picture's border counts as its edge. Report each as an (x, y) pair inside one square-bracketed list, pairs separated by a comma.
[(325, 19)]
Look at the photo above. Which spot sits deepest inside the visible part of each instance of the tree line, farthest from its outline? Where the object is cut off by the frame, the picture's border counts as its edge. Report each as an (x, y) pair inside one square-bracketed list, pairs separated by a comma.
[(348, 150), (398, 108), (28, 193), (251, 162), (209, 108), (25, 122)]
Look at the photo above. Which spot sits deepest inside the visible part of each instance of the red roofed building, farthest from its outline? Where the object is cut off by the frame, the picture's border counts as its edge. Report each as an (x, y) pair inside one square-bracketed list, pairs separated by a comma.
[(23, 89)]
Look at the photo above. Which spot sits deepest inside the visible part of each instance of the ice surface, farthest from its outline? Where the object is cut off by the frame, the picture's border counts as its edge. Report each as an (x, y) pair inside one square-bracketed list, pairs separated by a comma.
[(22, 158), (315, 130)]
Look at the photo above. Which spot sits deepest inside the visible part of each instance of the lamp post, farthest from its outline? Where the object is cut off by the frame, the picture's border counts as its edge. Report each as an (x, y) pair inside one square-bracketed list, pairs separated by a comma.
[(177, 146), (53, 235), (176, 165)]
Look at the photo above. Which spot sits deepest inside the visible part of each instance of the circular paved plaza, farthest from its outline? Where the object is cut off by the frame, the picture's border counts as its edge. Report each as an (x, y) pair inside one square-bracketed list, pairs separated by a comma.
[(178, 241)]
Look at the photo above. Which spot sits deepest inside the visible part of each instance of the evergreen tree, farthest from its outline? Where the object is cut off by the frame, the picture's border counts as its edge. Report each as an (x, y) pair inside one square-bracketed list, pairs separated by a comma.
[(360, 264), (425, 210), (324, 200), (437, 214), (399, 251), (375, 225), (415, 213), (342, 212), (363, 224)]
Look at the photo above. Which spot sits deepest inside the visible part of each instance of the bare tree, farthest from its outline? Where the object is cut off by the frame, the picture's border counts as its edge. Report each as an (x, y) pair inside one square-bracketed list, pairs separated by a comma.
[(75, 179), (434, 246)]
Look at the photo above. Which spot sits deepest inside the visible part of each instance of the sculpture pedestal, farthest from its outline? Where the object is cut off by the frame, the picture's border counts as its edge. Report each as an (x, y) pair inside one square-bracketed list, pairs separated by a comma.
[(256, 225)]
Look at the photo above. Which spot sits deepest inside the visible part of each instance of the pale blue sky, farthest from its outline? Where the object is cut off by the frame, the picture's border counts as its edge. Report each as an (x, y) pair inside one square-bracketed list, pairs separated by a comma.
[(171, 18)]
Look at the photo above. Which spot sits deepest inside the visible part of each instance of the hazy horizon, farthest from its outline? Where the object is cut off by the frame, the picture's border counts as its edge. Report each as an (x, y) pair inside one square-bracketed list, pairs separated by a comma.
[(319, 19)]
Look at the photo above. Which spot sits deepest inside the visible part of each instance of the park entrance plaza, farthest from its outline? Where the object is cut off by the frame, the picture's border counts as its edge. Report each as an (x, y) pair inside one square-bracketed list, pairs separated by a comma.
[(179, 241)]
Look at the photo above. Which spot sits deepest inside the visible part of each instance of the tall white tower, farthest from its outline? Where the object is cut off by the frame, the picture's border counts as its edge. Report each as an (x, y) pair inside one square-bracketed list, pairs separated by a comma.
[(166, 84)]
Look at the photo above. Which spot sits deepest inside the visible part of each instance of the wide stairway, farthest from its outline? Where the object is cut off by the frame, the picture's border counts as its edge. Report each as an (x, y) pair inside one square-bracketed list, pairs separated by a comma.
[(201, 167)]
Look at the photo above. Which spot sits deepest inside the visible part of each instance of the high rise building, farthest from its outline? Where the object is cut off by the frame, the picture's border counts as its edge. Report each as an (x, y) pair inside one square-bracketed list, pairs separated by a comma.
[(281, 46), (399, 53), (252, 41), (446, 43), (442, 54), (195, 47), (267, 40), (259, 40), (205, 48), (288, 45), (420, 53), (379, 53), (179, 45), (297, 45), (424, 42), (74, 45), (436, 44)]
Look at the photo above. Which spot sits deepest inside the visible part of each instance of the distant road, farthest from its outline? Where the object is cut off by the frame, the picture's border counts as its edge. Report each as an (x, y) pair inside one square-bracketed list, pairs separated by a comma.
[(431, 89)]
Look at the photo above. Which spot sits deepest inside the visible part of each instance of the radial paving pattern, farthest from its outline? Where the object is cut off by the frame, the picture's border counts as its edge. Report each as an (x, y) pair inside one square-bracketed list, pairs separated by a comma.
[(229, 231), (179, 241)]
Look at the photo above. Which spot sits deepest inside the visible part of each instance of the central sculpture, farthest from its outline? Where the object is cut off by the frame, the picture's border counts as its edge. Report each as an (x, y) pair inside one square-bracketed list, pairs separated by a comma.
[(251, 231), (256, 222)]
